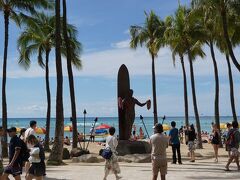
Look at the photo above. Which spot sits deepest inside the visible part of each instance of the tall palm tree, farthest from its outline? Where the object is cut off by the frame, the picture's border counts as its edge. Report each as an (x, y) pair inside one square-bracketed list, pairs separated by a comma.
[(190, 31), (10, 9), (70, 76), (38, 37), (57, 150), (151, 35), (173, 38), (223, 7), (209, 22)]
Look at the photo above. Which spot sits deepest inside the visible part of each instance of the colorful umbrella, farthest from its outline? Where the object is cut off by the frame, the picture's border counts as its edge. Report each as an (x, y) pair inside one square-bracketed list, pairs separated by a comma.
[(166, 127), (68, 129), (103, 126), (40, 130)]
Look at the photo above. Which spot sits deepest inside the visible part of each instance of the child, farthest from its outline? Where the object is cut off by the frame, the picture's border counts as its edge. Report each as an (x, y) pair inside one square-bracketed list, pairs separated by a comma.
[(37, 169)]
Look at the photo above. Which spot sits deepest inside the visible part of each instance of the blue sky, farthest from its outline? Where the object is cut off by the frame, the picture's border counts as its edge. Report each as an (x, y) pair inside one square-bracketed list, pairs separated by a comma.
[(103, 31)]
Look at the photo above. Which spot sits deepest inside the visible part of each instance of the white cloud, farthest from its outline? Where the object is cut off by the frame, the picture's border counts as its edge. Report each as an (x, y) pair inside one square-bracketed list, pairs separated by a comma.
[(121, 44)]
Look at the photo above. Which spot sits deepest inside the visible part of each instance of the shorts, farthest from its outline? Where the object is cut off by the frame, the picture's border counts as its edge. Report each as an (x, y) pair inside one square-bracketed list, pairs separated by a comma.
[(37, 169), (1, 167), (159, 165), (191, 146), (234, 152), (134, 133), (15, 170)]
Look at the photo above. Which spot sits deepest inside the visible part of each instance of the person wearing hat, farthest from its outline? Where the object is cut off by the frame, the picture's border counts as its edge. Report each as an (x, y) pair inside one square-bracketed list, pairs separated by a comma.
[(159, 143), (14, 167)]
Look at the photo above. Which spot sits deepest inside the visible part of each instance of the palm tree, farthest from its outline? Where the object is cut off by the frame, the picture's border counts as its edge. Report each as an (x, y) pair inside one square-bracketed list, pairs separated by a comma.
[(173, 38), (38, 37), (209, 22), (70, 76), (189, 31), (57, 150), (151, 35), (223, 7), (10, 9)]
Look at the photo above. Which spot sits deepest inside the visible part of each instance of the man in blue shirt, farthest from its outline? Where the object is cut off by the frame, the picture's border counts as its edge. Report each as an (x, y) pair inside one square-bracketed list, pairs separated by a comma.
[(15, 163), (175, 143)]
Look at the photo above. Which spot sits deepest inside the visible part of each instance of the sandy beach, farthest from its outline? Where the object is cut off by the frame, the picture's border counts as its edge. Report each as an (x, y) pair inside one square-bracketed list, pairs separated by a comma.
[(204, 168)]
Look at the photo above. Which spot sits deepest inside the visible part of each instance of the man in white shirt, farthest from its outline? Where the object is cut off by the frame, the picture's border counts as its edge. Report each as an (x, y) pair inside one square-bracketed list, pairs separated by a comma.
[(159, 144), (30, 130)]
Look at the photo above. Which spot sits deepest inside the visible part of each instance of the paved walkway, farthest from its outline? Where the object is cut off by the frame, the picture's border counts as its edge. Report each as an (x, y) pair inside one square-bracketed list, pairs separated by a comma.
[(202, 170)]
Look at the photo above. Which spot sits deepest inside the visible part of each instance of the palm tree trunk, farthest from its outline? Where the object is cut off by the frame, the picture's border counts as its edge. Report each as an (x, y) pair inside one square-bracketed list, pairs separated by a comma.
[(231, 88), (199, 137), (57, 150), (185, 92), (46, 145), (154, 91), (70, 78), (226, 36), (216, 103), (4, 78)]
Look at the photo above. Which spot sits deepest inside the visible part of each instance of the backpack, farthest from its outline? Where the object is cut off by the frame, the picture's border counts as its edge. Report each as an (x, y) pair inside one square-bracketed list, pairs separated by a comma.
[(230, 142), (106, 153)]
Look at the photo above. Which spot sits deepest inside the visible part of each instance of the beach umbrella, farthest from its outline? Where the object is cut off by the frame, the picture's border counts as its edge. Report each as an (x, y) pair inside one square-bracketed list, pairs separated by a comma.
[(68, 129), (40, 130), (223, 126), (103, 126), (166, 127)]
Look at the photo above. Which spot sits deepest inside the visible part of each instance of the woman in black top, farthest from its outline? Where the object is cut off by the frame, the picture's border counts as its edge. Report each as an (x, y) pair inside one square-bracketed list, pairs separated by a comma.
[(191, 145), (215, 140)]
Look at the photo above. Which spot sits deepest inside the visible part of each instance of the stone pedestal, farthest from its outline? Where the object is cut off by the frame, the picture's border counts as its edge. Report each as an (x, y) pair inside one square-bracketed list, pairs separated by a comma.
[(133, 147)]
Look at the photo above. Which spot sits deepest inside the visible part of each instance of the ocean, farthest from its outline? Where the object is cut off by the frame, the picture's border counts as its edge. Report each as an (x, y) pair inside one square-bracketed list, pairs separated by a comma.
[(113, 121)]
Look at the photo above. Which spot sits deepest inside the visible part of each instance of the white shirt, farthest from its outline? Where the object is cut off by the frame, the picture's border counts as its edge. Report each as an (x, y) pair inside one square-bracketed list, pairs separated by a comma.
[(34, 155), (111, 142), (28, 132)]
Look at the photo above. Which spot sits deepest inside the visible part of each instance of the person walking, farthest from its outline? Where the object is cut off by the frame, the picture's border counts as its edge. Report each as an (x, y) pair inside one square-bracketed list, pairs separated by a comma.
[(159, 143), (233, 143), (215, 140), (225, 135), (30, 130), (38, 168), (15, 162), (175, 143), (111, 165), (1, 159), (191, 134)]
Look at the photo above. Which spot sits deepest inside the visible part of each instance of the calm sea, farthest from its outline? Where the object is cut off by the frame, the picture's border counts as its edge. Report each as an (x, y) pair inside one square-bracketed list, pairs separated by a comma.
[(113, 121)]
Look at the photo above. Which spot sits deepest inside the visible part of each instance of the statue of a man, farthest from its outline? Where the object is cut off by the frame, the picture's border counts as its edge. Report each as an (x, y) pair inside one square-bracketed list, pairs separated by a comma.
[(128, 105)]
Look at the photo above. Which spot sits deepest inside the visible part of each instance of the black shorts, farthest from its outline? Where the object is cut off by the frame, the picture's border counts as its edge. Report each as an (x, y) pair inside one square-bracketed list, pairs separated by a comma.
[(37, 169), (134, 133), (15, 170)]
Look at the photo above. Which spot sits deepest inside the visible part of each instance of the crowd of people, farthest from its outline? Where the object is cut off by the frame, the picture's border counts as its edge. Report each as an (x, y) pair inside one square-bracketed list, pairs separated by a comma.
[(25, 152)]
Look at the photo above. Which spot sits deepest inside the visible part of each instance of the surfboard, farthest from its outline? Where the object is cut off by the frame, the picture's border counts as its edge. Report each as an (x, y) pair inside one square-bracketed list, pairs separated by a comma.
[(123, 88)]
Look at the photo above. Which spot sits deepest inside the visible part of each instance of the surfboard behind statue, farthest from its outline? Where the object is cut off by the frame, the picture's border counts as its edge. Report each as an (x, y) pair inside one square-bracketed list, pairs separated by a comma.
[(123, 88)]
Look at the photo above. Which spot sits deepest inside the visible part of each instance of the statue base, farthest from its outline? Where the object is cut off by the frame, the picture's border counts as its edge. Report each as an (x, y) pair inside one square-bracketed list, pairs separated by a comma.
[(133, 147)]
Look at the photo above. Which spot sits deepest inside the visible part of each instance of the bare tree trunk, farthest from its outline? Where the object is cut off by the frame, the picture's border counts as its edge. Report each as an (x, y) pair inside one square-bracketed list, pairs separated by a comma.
[(231, 86), (199, 137), (154, 91), (4, 78), (57, 150), (185, 92), (216, 103), (70, 78), (46, 145)]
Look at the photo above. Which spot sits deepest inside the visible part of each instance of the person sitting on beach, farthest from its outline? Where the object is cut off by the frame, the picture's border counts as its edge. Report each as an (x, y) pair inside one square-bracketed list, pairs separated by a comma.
[(38, 168), (174, 141), (67, 141), (15, 162), (233, 142), (191, 134), (141, 133), (112, 165), (159, 143), (215, 141)]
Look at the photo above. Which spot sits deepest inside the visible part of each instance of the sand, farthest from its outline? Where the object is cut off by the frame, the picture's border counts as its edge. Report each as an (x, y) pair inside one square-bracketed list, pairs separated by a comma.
[(203, 169)]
